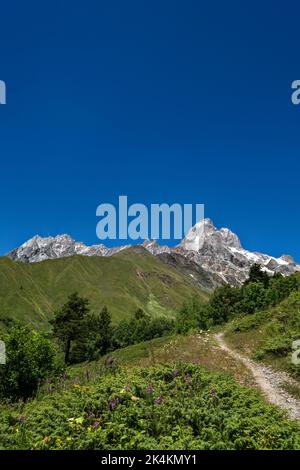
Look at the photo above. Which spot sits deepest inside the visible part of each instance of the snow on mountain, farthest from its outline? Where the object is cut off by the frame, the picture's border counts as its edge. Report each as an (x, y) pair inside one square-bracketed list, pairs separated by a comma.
[(218, 252), (42, 248), (155, 248)]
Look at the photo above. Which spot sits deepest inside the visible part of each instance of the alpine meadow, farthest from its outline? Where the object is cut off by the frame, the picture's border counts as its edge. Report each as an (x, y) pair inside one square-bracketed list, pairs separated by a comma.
[(149, 242)]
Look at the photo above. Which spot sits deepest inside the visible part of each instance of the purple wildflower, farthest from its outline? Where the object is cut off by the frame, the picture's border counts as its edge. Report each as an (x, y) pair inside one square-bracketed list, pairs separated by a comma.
[(112, 404), (96, 424), (176, 373), (213, 392), (158, 400), (149, 389)]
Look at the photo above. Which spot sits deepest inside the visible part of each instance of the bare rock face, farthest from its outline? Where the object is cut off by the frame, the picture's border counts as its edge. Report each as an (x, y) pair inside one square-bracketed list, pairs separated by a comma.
[(220, 252), (42, 248), (205, 253), (155, 248)]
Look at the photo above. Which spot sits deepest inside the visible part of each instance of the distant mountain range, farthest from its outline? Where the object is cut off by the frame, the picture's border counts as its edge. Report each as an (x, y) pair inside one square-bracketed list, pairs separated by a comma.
[(215, 254)]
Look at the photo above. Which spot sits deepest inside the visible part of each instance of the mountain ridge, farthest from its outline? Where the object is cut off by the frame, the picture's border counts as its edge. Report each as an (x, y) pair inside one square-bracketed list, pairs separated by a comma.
[(217, 251), (131, 279)]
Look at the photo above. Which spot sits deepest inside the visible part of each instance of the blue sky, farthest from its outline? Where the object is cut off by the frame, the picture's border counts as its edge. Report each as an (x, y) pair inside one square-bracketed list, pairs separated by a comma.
[(163, 101)]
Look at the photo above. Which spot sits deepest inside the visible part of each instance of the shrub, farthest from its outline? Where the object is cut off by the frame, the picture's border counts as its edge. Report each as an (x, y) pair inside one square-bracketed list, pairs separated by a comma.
[(141, 327), (222, 304), (193, 315), (30, 359), (180, 406)]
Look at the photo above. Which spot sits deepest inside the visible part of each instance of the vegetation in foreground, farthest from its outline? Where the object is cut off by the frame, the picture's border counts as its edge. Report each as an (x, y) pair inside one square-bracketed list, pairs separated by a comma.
[(47, 405), (164, 407)]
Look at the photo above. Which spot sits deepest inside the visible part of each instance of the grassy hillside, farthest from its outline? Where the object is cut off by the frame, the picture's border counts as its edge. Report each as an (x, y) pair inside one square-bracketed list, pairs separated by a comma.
[(130, 279), (267, 335)]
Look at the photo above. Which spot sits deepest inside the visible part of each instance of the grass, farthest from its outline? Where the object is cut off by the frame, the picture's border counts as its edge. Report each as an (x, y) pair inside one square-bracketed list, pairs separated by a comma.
[(197, 348), (268, 335), (191, 405), (124, 282)]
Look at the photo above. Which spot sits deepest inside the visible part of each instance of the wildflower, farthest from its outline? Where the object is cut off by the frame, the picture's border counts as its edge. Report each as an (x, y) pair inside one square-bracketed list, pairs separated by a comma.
[(96, 424), (213, 392), (110, 361), (158, 400), (112, 404), (149, 389), (90, 412), (134, 398), (187, 379), (64, 376), (176, 373), (87, 374), (21, 419)]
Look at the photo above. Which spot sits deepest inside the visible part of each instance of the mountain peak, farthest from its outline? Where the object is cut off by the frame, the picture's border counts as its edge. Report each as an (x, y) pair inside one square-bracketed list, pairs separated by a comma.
[(217, 251)]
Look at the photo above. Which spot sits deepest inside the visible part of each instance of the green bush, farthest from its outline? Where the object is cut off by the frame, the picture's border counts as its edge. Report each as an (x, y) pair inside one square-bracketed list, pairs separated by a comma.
[(279, 346), (180, 407), (193, 315), (141, 327), (257, 293), (30, 359)]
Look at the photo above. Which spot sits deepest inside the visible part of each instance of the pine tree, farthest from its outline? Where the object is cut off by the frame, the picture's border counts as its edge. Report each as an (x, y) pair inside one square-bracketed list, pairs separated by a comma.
[(71, 323)]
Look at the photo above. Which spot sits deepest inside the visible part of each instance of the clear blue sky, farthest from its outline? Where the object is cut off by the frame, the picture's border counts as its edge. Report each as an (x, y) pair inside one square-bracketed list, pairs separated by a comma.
[(164, 101)]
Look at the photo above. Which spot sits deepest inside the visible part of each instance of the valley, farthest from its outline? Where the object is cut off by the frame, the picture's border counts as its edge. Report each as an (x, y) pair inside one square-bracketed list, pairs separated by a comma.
[(149, 348)]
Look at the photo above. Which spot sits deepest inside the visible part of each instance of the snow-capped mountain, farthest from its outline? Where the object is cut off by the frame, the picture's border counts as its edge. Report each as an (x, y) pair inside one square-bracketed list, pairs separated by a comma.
[(41, 248), (220, 252), (217, 252)]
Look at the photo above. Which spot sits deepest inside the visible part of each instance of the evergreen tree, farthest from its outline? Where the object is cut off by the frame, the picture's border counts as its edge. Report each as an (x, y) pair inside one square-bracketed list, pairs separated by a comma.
[(102, 328), (71, 323), (257, 274)]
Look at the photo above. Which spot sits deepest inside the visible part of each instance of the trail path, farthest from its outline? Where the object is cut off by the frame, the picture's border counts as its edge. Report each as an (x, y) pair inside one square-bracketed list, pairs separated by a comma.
[(268, 380)]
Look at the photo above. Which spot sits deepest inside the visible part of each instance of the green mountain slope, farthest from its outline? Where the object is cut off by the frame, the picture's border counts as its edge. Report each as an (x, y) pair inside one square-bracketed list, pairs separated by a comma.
[(130, 279), (268, 334)]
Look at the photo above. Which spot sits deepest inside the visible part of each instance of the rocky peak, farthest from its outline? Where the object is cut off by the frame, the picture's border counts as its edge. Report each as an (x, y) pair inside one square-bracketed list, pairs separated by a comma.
[(216, 251), (229, 238), (220, 252), (155, 248)]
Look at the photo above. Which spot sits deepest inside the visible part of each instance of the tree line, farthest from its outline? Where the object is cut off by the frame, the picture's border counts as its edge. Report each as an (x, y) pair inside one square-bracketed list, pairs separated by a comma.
[(80, 335), (259, 291)]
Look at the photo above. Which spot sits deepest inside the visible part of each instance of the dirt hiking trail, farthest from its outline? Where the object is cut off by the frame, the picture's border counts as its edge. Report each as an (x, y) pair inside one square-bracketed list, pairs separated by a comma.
[(268, 380)]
